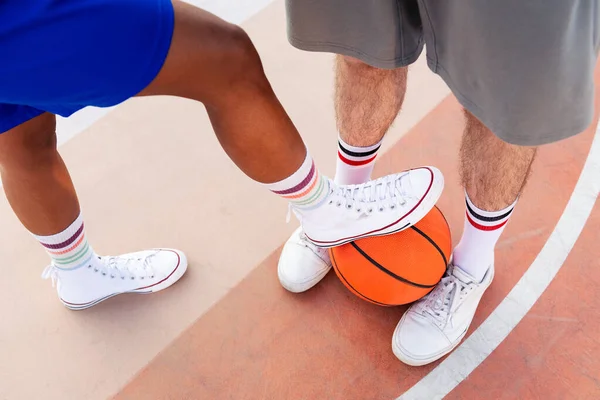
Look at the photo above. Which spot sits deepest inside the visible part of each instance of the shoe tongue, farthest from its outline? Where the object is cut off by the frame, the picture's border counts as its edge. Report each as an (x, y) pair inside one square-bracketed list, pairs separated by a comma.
[(461, 275)]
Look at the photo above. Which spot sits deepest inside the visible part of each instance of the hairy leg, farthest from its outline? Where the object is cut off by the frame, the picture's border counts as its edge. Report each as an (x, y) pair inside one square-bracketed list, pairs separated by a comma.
[(493, 172), (367, 100)]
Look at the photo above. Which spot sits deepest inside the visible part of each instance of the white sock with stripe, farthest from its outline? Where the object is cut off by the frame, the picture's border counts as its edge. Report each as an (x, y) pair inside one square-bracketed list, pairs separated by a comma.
[(355, 164), (304, 189), (475, 252), (69, 249)]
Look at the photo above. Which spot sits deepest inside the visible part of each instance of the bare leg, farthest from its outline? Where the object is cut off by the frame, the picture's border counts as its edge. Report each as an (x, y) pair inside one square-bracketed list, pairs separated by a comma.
[(215, 63), (493, 173), (35, 179), (367, 100)]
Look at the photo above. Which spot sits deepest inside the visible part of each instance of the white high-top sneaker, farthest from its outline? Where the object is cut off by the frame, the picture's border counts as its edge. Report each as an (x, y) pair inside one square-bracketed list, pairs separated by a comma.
[(104, 277), (303, 264), (435, 325), (380, 207)]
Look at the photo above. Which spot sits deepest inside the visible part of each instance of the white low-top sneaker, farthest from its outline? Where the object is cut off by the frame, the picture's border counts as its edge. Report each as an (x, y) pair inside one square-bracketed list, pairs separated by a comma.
[(380, 207), (436, 324), (302, 264), (104, 277)]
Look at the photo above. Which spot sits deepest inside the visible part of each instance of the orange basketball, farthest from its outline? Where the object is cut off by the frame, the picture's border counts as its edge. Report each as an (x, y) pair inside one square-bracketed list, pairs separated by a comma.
[(398, 268)]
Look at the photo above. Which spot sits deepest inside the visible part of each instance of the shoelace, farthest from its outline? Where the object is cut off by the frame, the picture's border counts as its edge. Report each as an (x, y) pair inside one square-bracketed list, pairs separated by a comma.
[(128, 267), (439, 303), (375, 195), (113, 267), (384, 192), (50, 272)]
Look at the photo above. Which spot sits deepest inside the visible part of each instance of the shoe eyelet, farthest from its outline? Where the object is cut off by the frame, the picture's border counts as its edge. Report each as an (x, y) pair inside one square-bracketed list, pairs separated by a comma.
[(392, 206), (330, 202), (338, 204), (133, 277), (358, 210), (142, 278), (370, 210), (112, 277), (349, 206), (95, 269), (89, 266), (381, 209), (123, 278), (152, 277), (104, 274)]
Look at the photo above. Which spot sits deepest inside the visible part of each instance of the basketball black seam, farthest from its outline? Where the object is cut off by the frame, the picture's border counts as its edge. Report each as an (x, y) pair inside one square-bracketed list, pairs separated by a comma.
[(387, 271), (433, 243), (348, 283)]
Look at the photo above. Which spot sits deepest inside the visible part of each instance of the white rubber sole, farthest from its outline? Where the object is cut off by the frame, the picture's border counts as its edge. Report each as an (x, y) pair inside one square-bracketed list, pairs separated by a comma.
[(418, 362), (165, 283), (429, 201), (301, 286)]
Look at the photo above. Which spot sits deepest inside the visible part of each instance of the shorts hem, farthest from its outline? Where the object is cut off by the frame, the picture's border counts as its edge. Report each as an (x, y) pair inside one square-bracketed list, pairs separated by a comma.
[(502, 134), (5, 127), (337, 48), (156, 61)]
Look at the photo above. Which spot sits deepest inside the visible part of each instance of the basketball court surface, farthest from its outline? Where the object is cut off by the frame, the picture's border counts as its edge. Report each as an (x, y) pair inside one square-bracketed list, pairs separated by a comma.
[(150, 173)]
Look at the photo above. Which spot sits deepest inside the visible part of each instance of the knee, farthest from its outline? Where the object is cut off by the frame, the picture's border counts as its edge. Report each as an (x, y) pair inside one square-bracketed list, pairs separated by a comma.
[(241, 60), (29, 146)]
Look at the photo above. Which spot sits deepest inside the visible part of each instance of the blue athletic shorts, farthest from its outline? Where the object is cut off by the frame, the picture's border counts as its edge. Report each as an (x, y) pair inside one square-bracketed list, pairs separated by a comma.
[(60, 56)]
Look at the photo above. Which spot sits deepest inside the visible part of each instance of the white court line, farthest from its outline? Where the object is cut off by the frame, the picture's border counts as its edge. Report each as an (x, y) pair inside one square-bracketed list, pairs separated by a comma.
[(234, 11), (477, 347)]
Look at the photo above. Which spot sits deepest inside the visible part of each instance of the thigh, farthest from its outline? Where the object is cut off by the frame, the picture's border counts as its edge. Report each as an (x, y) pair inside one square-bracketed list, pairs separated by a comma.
[(60, 56), (524, 68), (381, 33)]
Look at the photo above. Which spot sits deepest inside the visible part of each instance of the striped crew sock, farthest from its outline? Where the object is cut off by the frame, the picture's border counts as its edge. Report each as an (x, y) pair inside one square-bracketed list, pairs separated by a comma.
[(69, 249), (475, 251), (355, 164), (304, 189)]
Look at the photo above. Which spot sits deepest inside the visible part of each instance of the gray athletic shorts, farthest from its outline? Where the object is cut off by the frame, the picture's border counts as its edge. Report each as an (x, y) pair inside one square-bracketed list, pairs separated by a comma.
[(525, 68)]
